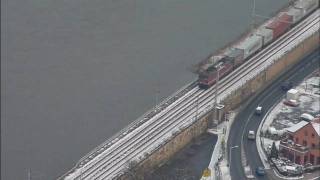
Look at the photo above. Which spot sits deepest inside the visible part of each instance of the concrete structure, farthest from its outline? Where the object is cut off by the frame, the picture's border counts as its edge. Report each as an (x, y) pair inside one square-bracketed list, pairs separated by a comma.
[(163, 154), (302, 143)]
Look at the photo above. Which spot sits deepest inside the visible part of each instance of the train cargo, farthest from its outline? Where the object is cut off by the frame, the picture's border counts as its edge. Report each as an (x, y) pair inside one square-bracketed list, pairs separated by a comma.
[(250, 45), (296, 14), (208, 79), (280, 24), (306, 5), (235, 55), (266, 34)]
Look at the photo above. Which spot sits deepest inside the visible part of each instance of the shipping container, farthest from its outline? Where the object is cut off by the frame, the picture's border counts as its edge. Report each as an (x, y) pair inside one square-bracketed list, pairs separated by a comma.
[(266, 35), (250, 45), (280, 24), (296, 14), (235, 55), (306, 5)]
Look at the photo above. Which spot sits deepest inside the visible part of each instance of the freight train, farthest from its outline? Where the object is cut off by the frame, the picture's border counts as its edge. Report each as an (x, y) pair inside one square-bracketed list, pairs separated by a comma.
[(236, 55)]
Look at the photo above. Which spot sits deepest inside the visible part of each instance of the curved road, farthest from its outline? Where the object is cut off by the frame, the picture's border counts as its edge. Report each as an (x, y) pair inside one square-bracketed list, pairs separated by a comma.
[(246, 120)]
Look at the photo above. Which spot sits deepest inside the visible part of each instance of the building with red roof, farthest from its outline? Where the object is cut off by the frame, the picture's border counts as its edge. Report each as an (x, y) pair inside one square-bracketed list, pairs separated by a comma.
[(302, 143)]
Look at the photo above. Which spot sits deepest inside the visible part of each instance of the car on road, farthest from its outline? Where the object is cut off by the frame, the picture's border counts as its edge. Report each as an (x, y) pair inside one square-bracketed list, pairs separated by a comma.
[(258, 110), (251, 135), (260, 171), (286, 85), (248, 173)]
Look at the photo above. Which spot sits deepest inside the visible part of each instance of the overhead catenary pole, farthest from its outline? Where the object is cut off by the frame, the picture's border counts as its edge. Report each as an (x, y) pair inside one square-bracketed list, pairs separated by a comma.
[(216, 95), (29, 174), (253, 15), (157, 98)]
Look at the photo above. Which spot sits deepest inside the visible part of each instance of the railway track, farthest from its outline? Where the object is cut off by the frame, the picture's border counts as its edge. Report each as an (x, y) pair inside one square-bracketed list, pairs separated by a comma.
[(151, 133)]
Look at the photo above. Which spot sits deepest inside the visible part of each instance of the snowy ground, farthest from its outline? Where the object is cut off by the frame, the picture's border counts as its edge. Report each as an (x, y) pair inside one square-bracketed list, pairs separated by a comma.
[(283, 116)]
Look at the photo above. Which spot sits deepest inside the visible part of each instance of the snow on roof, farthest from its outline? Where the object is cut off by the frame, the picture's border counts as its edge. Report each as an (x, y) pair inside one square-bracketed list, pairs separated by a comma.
[(293, 91), (297, 126), (307, 116), (316, 127)]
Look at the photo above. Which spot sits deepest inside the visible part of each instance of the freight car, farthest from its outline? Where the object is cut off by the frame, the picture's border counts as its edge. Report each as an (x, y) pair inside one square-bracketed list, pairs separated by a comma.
[(280, 25), (250, 45), (264, 35)]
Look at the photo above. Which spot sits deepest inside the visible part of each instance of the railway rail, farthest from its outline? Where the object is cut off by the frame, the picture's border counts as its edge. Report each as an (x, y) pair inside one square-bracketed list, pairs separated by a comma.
[(151, 134)]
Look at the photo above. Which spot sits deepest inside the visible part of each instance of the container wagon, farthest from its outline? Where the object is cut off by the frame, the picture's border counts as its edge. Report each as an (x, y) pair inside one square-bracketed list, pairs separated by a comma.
[(252, 44), (297, 14), (266, 34), (280, 25), (306, 6)]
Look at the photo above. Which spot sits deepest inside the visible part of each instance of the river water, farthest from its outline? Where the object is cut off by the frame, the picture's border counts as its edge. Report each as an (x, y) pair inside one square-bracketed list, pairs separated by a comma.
[(74, 72)]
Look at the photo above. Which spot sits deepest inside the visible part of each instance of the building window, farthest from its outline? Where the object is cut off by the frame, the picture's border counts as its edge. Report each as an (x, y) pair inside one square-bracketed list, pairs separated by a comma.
[(312, 135), (306, 133), (318, 160), (313, 145), (297, 140), (304, 142)]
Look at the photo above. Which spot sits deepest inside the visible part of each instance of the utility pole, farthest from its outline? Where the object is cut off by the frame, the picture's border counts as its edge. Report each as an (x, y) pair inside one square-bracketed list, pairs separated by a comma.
[(29, 174), (253, 15), (157, 94), (216, 95)]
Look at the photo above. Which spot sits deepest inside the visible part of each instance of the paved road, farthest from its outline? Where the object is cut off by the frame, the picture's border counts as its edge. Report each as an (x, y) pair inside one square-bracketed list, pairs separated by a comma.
[(246, 120)]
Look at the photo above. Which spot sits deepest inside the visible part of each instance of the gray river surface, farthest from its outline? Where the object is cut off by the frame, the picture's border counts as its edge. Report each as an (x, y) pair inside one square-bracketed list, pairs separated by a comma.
[(75, 72)]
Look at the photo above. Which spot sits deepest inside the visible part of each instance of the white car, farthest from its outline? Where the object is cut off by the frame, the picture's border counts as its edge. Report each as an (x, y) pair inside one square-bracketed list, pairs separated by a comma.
[(258, 110), (251, 135)]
